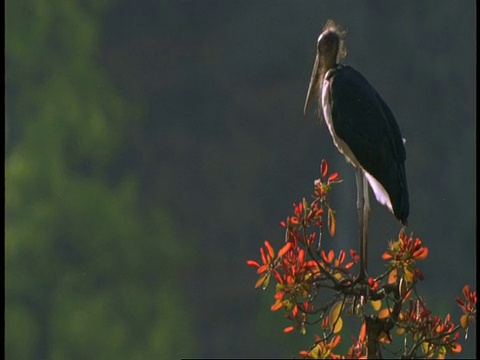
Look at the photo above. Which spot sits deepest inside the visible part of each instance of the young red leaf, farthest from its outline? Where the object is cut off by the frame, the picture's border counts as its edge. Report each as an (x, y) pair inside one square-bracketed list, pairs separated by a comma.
[(288, 329), (331, 222), (270, 249), (333, 177), (264, 258), (284, 249), (363, 332), (353, 254), (261, 269), (421, 254), (279, 295), (277, 306), (331, 256), (335, 341), (253, 263), (386, 256), (278, 277), (324, 168), (295, 311), (301, 256)]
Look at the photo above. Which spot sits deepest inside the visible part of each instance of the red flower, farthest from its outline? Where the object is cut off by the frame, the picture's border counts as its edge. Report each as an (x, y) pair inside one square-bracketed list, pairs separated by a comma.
[(268, 265)]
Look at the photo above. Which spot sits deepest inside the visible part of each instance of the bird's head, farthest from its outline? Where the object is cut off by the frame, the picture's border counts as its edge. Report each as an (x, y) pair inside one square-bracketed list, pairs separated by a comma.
[(330, 50)]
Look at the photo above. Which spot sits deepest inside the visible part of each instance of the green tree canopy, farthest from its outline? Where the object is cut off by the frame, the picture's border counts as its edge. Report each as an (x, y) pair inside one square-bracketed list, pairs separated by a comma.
[(89, 272)]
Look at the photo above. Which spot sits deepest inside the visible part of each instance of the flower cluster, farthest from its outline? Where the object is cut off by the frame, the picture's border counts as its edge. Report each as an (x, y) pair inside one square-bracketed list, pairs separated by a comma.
[(435, 336), (403, 254), (322, 349), (468, 306), (303, 270), (299, 268)]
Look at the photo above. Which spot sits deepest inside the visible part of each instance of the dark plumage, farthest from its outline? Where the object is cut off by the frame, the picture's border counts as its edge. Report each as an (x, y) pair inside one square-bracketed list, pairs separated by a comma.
[(366, 124)]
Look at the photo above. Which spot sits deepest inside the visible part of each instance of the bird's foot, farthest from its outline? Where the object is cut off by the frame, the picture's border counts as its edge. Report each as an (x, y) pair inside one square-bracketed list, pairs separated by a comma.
[(362, 277)]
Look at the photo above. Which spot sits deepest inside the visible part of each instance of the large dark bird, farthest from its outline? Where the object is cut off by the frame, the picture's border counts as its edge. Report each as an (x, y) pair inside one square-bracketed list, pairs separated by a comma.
[(363, 129)]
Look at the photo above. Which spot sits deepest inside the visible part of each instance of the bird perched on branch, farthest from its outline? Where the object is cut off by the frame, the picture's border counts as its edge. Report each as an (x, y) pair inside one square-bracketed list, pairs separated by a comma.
[(363, 129)]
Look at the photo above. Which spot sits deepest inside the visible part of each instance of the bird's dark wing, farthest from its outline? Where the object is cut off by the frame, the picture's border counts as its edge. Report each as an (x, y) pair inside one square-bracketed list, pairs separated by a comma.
[(366, 124)]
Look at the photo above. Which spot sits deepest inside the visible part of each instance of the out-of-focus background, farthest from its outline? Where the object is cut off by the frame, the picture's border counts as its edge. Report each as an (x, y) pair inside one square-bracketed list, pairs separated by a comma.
[(152, 146)]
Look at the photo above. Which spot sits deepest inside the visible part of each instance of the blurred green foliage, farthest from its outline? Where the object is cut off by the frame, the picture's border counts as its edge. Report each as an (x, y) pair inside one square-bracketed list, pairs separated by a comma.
[(88, 273)]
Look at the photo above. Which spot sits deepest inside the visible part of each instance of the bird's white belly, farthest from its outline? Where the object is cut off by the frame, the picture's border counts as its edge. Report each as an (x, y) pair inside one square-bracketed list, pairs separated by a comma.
[(327, 112)]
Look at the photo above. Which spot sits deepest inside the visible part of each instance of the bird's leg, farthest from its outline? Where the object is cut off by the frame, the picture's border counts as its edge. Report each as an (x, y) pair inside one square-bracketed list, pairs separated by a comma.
[(366, 216), (360, 208)]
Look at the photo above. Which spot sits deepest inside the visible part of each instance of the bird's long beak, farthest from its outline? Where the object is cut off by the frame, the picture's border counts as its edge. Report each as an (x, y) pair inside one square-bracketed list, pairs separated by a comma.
[(314, 85)]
